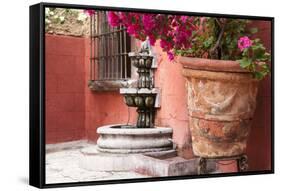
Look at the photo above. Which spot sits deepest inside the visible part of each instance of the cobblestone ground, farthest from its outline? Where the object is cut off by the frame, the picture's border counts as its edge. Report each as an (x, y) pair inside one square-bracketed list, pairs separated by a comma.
[(62, 165)]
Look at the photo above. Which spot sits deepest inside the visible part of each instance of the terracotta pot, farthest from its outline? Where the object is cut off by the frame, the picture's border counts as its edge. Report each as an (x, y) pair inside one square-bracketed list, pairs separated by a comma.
[(221, 100)]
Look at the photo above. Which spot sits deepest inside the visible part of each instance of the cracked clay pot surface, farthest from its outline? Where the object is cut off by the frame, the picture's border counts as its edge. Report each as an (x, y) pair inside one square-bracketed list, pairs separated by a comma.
[(221, 100)]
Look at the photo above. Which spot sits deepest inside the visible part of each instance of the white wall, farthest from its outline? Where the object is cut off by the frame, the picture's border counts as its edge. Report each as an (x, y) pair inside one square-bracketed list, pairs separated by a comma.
[(14, 93)]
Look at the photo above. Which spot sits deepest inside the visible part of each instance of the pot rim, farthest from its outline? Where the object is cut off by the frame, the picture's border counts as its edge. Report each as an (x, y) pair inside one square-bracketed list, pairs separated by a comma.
[(211, 64)]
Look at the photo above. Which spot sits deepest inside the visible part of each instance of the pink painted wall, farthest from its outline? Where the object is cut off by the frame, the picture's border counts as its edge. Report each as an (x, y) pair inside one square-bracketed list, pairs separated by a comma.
[(259, 144), (173, 111), (75, 112), (102, 108)]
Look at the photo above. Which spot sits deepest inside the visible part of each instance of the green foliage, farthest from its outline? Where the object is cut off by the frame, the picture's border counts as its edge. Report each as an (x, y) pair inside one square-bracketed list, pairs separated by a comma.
[(207, 43), (255, 59)]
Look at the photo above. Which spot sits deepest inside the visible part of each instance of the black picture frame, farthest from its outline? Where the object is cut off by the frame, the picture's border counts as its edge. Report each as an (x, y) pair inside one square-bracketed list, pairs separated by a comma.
[(37, 95)]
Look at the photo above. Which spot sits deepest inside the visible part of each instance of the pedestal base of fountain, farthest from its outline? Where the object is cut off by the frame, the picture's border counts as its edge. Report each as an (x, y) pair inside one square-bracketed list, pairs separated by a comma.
[(125, 139), (147, 151)]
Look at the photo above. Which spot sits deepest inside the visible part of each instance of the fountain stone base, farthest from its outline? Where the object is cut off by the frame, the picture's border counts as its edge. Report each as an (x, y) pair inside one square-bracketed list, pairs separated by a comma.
[(124, 139)]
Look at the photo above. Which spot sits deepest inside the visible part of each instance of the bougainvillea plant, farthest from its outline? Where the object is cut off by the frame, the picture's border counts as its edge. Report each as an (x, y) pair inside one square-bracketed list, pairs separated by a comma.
[(229, 39), (174, 32), (214, 38)]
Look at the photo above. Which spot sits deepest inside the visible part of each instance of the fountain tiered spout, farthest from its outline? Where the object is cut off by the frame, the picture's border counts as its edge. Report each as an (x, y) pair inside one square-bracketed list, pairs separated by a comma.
[(144, 95)]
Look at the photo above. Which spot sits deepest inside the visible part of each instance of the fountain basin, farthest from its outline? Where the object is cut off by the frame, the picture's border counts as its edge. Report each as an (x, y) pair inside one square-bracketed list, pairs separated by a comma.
[(114, 139)]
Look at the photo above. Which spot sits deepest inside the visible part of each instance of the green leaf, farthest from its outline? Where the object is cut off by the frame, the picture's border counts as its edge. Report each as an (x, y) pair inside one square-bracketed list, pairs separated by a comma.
[(208, 42), (265, 69), (245, 62), (259, 75), (259, 51), (245, 52), (257, 40), (253, 30), (266, 57)]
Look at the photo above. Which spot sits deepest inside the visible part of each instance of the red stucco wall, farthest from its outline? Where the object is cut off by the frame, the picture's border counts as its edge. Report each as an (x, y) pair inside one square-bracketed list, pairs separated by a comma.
[(74, 112), (102, 108), (259, 144), (65, 92), (173, 112)]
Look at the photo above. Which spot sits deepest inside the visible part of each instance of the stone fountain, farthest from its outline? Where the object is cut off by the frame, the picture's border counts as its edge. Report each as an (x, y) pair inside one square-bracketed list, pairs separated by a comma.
[(142, 137), (142, 147)]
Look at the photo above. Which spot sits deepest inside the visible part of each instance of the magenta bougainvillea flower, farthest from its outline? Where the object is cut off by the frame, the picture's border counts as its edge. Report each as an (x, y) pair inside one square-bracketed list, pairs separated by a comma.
[(170, 55), (173, 31), (113, 19), (132, 29), (244, 42), (181, 34), (148, 22), (152, 40), (89, 12), (166, 45), (186, 35)]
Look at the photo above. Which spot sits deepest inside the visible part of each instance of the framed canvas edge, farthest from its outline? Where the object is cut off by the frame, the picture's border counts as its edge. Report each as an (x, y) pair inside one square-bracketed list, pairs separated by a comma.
[(37, 97)]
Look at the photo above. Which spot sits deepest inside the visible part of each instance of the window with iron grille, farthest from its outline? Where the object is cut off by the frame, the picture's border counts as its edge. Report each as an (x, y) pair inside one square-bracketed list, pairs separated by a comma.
[(109, 50)]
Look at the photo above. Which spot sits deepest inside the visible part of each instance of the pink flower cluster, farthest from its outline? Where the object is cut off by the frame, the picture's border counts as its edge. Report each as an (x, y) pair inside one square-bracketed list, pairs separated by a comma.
[(113, 19), (244, 42), (174, 32), (89, 12)]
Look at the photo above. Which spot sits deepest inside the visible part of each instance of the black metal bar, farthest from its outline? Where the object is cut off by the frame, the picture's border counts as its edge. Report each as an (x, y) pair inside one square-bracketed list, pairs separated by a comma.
[(125, 53), (111, 79), (95, 46), (91, 49), (107, 71), (110, 55), (115, 55), (107, 33), (103, 48), (120, 51)]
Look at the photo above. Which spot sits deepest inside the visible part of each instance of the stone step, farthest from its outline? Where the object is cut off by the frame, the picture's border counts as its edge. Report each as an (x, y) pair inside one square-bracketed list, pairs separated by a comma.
[(171, 166), (156, 164)]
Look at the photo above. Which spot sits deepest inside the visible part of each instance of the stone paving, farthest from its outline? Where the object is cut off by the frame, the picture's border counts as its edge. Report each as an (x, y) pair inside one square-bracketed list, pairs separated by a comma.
[(62, 165)]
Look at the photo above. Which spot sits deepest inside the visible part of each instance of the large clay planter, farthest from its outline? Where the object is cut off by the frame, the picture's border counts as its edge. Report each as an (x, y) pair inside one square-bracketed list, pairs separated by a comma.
[(221, 100)]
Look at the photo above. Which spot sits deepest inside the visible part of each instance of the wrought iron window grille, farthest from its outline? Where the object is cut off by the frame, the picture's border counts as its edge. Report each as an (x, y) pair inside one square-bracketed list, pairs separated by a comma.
[(110, 46)]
